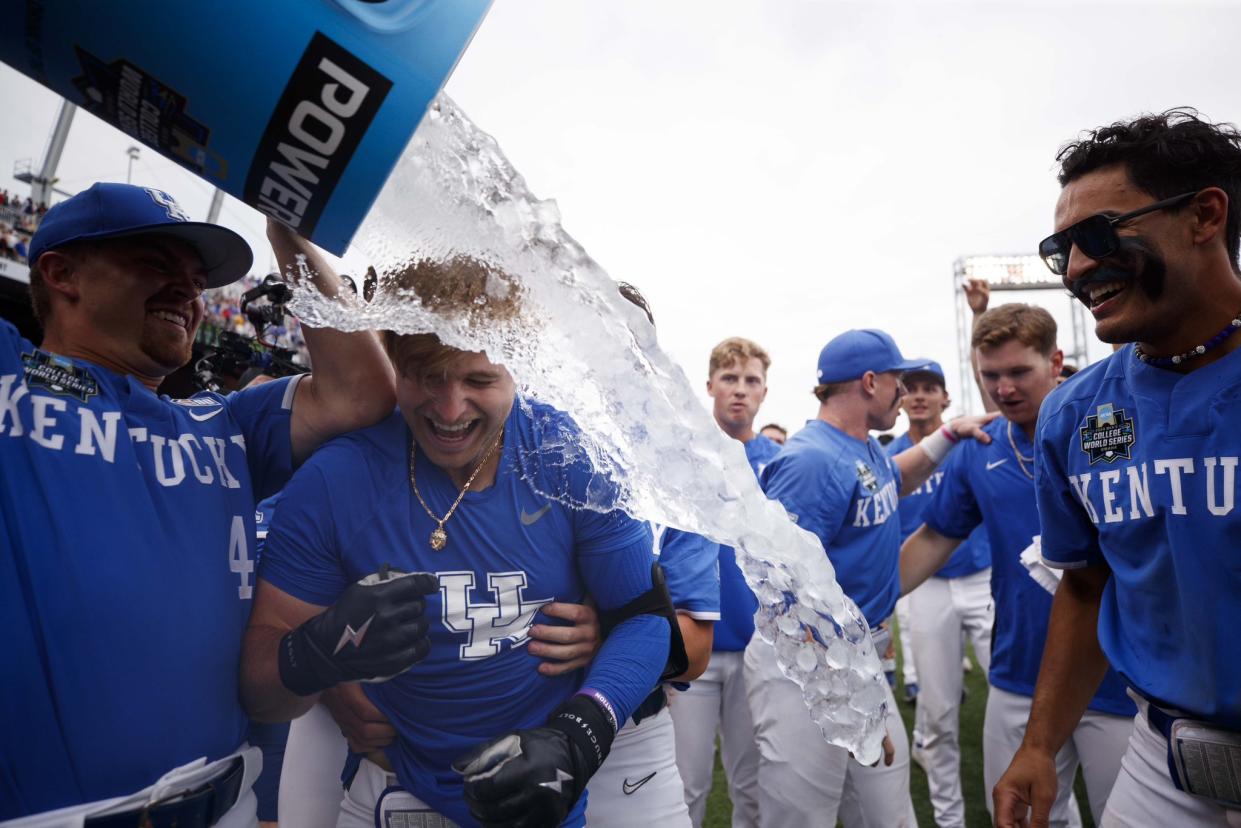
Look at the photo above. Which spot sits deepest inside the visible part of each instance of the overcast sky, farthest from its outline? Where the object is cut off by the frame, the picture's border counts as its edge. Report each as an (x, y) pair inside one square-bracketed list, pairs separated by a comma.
[(779, 170)]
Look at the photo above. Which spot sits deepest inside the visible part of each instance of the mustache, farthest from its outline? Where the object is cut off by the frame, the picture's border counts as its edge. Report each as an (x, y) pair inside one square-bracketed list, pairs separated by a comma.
[(1080, 288), (1138, 263)]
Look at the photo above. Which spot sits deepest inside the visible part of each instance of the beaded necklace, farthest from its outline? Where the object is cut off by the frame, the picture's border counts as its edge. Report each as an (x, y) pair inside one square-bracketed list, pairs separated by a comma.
[(1213, 342)]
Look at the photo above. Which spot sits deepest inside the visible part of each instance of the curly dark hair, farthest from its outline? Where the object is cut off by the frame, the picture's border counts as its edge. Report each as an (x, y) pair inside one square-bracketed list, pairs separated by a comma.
[(1165, 155)]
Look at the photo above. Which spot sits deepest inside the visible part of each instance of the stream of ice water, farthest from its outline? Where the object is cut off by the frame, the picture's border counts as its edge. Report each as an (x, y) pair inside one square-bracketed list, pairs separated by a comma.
[(522, 290)]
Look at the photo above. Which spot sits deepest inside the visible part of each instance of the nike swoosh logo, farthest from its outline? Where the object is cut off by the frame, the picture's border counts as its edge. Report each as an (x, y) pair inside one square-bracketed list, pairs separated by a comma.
[(991, 466), (202, 418), (528, 519), (629, 787)]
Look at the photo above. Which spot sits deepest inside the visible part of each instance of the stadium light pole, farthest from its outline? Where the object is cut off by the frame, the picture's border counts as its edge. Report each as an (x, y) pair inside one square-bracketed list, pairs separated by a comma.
[(132, 152), (1014, 272)]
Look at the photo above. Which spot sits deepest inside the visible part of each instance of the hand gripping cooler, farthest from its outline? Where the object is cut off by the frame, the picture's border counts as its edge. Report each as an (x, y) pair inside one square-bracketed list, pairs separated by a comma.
[(300, 108)]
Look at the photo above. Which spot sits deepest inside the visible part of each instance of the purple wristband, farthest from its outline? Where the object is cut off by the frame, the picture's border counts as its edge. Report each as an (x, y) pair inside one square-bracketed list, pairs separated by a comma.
[(601, 700), (947, 432)]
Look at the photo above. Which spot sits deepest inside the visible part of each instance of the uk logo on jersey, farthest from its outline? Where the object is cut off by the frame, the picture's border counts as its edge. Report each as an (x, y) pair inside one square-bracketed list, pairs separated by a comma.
[(1107, 435), (487, 626)]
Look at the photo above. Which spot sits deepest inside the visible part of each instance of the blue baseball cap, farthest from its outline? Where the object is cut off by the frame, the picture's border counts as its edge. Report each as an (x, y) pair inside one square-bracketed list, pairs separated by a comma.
[(109, 211), (928, 366), (855, 352)]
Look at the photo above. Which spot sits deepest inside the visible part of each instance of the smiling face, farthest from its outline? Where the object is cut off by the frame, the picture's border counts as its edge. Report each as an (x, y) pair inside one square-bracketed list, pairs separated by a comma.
[(737, 390), (925, 399), (132, 304), (1142, 291), (884, 405), (1018, 377), (456, 409)]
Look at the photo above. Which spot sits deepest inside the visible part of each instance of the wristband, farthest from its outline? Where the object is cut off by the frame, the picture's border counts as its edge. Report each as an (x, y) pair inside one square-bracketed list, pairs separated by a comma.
[(950, 434), (937, 445)]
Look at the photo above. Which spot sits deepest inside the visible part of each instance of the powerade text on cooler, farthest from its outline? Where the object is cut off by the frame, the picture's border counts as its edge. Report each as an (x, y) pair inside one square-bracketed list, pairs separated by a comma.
[(300, 108)]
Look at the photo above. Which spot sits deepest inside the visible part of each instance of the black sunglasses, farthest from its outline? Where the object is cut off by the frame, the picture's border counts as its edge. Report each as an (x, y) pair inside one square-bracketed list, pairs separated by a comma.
[(1095, 235)]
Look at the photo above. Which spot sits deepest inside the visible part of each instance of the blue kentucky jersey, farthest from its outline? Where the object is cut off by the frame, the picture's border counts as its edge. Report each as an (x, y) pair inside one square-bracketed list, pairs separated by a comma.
[(1138, 470), (846, 491), (985, 484), (511, 550), (737, 603), (128, 523), (691, 568), (974, 553)]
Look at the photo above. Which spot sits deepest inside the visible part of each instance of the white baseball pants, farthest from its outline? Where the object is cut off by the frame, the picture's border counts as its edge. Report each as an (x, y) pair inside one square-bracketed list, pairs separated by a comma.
[(638, 784), (310, 789), (802, 780), (1144, 794), (1098, 742), (940, 610), (716, 702)]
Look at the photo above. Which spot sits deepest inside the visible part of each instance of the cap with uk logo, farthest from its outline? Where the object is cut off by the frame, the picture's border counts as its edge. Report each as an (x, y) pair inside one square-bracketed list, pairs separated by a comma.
[(108, 211)]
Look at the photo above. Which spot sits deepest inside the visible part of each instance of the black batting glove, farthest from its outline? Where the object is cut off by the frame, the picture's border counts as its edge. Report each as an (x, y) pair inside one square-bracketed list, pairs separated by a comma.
[(376, 630), (533, 778)]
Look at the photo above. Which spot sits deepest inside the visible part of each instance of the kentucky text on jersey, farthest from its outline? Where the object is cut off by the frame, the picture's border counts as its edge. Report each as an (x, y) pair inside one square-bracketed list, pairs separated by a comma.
[(984, 485), (1125, 493), (127, 522), (175, 458), (844, 490), (1137, 470)]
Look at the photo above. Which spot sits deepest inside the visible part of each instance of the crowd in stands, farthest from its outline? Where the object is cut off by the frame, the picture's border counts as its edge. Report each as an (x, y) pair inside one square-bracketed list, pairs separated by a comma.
[(223, 311), (18, 219)]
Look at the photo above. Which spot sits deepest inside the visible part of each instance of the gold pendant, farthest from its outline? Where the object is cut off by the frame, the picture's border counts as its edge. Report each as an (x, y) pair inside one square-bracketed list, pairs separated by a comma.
[(439, 538)]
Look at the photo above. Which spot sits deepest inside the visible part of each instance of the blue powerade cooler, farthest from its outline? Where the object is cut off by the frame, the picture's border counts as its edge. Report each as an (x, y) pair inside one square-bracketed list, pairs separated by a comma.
[(300, 108)]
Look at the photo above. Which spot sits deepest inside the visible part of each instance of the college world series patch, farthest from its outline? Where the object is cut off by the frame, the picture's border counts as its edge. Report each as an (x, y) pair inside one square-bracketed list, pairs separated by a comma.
[(1107, 435), (58, 375), (867, 478)]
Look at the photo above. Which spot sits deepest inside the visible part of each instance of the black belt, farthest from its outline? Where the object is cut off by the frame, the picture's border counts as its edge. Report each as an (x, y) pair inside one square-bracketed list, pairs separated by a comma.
[(651, 705), (199, 808)]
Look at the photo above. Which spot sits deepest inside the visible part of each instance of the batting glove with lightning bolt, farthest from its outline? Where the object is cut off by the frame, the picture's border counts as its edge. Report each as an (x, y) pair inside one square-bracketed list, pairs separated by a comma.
[(376, 630), (532, 778)]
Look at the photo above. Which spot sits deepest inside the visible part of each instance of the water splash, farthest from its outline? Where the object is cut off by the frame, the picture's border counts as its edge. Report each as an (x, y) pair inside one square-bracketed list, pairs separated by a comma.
[(467, 251)]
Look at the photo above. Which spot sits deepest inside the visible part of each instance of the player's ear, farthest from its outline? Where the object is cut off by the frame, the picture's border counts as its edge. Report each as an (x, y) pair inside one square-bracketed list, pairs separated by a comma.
[(1057, 362), (59, 271)]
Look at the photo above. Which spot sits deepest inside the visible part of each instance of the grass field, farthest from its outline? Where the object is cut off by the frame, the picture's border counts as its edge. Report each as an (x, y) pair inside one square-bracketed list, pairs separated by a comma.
[(719, 809)]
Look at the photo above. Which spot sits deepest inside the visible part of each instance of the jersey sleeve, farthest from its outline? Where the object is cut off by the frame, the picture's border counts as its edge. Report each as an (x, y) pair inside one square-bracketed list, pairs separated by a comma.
[(691, 565), (813, 496), (301, 554), (264, 413), (633, 656), (953, 510), (1069, 539)]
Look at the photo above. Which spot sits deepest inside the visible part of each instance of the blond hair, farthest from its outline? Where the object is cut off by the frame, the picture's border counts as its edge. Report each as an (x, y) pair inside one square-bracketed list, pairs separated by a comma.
[(736, 349), (1028, 324)]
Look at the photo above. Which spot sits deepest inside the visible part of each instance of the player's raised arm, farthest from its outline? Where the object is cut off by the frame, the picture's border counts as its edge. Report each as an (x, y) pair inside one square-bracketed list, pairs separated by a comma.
[(352, 384), (917, 463)]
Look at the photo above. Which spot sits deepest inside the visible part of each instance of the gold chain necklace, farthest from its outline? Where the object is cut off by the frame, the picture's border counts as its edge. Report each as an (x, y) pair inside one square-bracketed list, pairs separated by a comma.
[(439, 538), (1021, 459)]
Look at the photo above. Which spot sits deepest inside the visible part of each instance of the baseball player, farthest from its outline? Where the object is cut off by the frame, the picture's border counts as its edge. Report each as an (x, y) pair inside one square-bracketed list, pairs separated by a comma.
[(640, 782), (128, 518), (716, 702), (838, 483), (1136, 473), (993, 485), (463, 486), (953, 603)]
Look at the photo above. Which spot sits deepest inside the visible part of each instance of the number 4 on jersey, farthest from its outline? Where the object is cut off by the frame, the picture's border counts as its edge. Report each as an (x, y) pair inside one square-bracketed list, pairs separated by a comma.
[(239, 557)]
